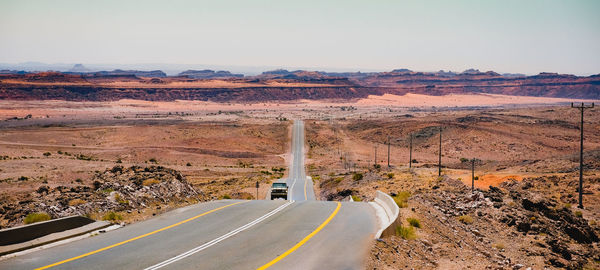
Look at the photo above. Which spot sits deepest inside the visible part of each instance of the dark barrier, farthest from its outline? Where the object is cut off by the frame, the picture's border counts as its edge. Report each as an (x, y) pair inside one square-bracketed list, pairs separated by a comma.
[(36, 230)]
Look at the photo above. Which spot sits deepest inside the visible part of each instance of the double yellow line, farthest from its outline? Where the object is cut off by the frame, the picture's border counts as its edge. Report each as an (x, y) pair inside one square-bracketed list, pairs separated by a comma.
[(269, 264), (138, 237), (303, 241)]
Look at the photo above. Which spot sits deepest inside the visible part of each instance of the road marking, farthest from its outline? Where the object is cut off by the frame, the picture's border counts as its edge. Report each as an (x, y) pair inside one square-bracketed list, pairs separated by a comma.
[(216, 240), (138, 237), (303, 241), (305, 181)]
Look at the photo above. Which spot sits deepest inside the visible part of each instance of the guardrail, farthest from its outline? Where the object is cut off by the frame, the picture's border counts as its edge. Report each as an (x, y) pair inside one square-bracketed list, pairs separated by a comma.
[(36, 230), (42, 233), (391, 211)]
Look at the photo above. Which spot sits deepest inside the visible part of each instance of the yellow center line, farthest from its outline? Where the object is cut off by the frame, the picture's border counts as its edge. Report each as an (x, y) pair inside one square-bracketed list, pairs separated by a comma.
[(137, 237), (303, 241), (305, 182)]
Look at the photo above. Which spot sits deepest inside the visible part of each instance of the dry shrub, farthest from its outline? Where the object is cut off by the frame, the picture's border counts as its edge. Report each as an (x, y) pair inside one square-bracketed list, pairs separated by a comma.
[(76, 202)]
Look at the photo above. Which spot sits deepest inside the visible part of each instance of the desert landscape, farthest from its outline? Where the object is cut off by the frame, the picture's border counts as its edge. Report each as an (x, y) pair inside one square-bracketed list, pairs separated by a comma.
[(524, 208), (300, 135), (138, 158)]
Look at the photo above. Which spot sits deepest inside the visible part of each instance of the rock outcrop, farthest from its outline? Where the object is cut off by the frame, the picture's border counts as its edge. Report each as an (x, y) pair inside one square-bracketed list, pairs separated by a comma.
[(116, 189)]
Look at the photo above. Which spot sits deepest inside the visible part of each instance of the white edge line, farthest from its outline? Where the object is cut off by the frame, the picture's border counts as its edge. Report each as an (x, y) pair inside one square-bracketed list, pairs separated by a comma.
[(217, 240)]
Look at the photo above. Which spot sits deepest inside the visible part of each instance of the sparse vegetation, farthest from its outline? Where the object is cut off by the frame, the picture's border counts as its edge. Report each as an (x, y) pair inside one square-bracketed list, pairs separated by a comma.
[(152, 160), (578, 214), (407, 232), (466, 219), (47, 154), (356, 198), (357, 176), (120, 200), (84, 157), (414, 222), (226, 197), (338, 180), (36, 217), (278, 169), (390, 175), (76, 202), (498, 246), (149, 182), (112, 216), (401, 199)]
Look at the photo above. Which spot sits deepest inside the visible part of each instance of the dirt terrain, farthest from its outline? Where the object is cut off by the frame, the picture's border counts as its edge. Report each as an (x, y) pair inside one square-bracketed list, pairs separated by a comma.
[(529, 157), (127, 160), (220, 158)]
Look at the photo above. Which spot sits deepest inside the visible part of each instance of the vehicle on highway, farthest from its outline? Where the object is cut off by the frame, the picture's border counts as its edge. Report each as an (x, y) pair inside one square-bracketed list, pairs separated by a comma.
[(279, 190)]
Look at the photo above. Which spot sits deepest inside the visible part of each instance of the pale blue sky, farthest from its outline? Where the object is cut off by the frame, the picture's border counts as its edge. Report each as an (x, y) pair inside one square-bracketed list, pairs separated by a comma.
[(506, 36)]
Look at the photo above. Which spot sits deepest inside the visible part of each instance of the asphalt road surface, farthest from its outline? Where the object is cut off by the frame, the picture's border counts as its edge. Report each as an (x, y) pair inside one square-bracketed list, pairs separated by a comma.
[(300, 188), (300, 233)]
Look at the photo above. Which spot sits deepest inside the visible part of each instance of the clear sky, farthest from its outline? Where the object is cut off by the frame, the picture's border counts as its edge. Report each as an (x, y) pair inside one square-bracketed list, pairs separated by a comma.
[(506, 36)]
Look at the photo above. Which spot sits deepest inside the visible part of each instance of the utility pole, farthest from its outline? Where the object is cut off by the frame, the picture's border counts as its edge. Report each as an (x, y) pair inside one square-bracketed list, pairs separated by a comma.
[(388, 151), (472, 174), (581, 108), (410, 152), (440, 155), (375, 154)]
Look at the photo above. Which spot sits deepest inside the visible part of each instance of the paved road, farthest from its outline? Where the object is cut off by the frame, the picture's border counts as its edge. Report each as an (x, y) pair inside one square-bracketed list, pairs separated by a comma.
[(300, 187), (229, 234)]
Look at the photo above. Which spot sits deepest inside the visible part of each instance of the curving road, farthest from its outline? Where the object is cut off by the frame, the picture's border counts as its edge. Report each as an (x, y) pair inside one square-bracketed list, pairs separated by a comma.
[(300, 233)]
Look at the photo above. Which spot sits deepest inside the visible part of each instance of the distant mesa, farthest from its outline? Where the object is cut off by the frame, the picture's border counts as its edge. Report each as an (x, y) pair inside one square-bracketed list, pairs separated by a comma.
[(402, 70), (79, 68), (307, 77), (209, 74), (137, 73), (277, 72), (549, 75), (513, 75), (448, 73), (471, 71), (11, 72)]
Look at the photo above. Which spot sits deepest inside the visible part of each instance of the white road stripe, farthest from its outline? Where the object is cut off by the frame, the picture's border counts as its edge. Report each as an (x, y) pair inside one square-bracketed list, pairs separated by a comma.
[(217, 240)]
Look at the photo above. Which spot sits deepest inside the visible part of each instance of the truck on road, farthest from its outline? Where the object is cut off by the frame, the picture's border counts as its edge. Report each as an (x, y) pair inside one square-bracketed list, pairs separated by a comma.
[(279, 190)]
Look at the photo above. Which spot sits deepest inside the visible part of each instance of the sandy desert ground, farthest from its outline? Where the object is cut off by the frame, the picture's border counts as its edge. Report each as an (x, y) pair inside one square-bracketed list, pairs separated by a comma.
[(524, 146)]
